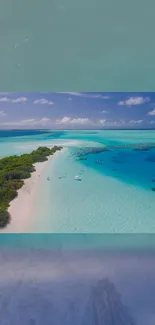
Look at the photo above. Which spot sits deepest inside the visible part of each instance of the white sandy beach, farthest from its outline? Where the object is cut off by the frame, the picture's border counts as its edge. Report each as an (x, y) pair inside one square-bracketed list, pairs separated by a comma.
[(21, 208)]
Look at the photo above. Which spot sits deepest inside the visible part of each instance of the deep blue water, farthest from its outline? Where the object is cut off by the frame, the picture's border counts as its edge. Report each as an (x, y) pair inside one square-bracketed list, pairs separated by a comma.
[(128, 165), (23, 135), (20, 133)]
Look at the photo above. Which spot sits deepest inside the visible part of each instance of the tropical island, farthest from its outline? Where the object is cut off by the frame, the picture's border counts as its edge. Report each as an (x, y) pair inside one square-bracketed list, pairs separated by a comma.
[(13, 171)]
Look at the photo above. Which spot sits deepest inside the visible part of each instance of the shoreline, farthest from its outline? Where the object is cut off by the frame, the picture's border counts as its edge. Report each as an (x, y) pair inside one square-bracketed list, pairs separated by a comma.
[(21, 208)]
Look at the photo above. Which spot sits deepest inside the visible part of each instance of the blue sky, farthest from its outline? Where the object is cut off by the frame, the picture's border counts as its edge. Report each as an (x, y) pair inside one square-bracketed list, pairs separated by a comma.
[(77, 110)]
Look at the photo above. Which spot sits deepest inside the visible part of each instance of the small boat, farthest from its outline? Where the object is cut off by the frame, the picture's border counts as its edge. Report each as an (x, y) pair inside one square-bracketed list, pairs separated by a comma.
[(77, 178)]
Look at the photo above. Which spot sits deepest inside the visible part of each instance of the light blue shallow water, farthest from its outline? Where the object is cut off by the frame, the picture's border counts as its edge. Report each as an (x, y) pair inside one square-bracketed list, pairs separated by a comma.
[(115, 192)]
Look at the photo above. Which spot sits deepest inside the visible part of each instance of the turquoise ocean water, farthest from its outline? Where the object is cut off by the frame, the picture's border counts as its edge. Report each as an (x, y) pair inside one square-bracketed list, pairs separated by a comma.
[(115, 193)]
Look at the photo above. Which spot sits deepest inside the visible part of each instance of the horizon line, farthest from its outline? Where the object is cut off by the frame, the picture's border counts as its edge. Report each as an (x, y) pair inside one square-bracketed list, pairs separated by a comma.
[(87, 129)]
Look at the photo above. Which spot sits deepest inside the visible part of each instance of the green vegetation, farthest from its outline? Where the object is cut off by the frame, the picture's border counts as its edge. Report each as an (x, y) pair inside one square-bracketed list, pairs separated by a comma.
[(13, 170)]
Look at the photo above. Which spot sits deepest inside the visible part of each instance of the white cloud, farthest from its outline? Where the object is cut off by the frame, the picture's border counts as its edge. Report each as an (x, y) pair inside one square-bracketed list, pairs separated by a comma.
[(14, 100), (41, 121), (152, 112), (112, 123), (2, 113), (27, 122), (80, 120), (135, 121), (18, 123), (151, 122), (86, 121), (132, 101), (4, 99), (140, 121), (103, 121), (64, 120), (86, 95), (122, 121), (69, 120), (45, 119), (19, 100), (43, 101), (104, 111)]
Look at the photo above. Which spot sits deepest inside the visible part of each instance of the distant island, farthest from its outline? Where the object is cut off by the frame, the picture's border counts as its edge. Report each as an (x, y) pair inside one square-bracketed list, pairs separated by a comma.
[(13, 171)]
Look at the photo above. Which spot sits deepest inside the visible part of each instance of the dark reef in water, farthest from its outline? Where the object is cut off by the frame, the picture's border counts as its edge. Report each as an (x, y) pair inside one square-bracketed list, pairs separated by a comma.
[(95, 150), (105, 306), (144, 147), (141, 149), (151, 159), (153, 189), (88, 151)]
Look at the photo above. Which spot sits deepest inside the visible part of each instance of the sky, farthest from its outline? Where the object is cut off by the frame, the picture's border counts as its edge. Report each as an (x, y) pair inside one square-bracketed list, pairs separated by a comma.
[(77, 110)]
